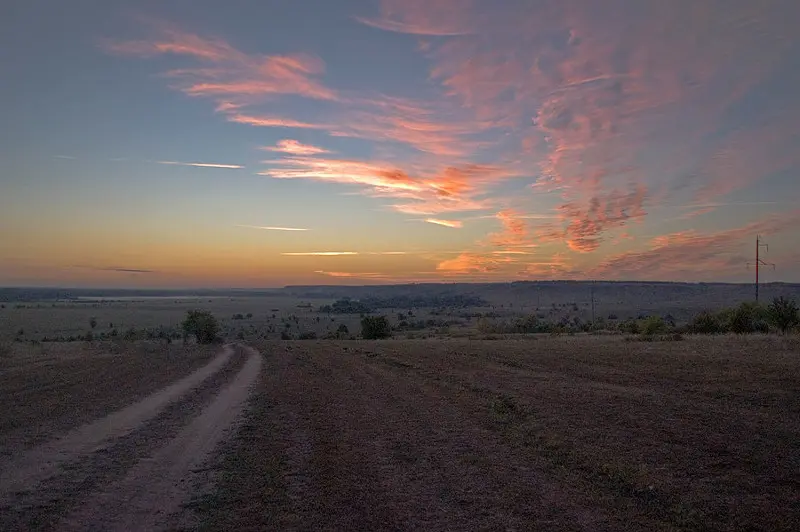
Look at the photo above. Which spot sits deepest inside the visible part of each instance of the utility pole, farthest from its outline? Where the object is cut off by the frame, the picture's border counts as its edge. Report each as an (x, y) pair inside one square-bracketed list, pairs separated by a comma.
[(592, 303), (760, 262)]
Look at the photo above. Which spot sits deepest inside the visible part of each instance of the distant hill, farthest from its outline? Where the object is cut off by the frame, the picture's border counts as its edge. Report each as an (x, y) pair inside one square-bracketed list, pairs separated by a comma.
[(622, 298)]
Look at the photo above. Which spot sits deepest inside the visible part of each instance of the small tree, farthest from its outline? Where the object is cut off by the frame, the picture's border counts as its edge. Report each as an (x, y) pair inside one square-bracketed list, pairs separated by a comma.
[(375, 327), (202, 324), (93, 322), (783, 313), (342, 329)]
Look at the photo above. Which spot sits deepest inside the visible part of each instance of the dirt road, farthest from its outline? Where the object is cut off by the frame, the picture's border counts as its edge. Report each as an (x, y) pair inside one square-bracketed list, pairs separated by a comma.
[(130, 470)]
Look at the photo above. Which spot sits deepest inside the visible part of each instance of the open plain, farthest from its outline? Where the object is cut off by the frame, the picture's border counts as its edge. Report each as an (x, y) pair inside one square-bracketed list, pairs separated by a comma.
[(534, 432)]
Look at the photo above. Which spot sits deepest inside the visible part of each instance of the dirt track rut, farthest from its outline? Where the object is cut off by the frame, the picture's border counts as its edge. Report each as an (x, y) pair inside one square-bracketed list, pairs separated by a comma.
[(129, 470)]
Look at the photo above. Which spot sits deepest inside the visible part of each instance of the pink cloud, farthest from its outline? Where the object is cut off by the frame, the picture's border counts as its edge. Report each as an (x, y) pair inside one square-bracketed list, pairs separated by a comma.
[(353, 275), (693, 254), (203, 165), (271, 121), (449, 190), (469, 263), (584, 95), (295, 147), (320, 253), (446, 223), (230, 73), (421, 17), (585, 224), (515, 232)]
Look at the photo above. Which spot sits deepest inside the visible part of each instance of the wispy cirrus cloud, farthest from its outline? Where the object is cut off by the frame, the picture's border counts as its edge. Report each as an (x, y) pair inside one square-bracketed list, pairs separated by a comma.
[(418, 17), (319, 253), (587, 94), (273, 121), (456, 224), (273, 228), (594, 115), (586, 224), (295, 147), (452, 189), (226, 73), (516, 232), (342, 253), (118, 269), (203, 165), (353, 275)]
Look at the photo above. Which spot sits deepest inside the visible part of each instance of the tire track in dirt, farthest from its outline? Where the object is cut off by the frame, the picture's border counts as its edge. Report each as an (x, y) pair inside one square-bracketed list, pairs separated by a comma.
[(43, 506), (152, 493), (43, 461)]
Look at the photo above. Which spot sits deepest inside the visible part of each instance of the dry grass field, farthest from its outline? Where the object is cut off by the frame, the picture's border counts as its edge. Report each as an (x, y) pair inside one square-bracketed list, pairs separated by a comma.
[(582, 433), (442, 428), (51, 319)]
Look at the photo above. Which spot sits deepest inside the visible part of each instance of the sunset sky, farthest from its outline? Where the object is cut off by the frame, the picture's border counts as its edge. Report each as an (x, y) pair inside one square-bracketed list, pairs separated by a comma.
[(257, 143)]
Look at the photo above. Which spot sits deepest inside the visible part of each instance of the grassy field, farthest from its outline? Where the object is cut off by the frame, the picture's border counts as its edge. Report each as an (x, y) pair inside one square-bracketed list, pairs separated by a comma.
[(551, 434)]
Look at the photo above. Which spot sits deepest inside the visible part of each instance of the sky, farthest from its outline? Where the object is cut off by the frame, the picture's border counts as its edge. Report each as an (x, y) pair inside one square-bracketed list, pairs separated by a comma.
[(259, 143)]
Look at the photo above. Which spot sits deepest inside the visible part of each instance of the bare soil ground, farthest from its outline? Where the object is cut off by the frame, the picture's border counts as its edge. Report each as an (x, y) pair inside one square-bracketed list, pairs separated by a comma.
[(537, 434), (48, 390), (132, 469)]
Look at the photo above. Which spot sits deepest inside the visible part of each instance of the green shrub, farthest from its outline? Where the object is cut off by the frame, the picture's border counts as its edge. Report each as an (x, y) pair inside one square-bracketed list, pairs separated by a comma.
[(308, 335), (747, 318), (783, 314), (630, 326), (285, 336), (654, 325), (706, 323), (375, 327), (202, 324)]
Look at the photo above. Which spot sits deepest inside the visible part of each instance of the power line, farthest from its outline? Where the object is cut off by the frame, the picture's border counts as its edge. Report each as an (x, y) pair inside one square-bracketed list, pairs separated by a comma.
[(758, 261)]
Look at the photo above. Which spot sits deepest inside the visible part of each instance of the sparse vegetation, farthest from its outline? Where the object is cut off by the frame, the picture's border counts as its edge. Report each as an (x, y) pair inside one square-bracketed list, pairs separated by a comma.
[(346, 306)]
